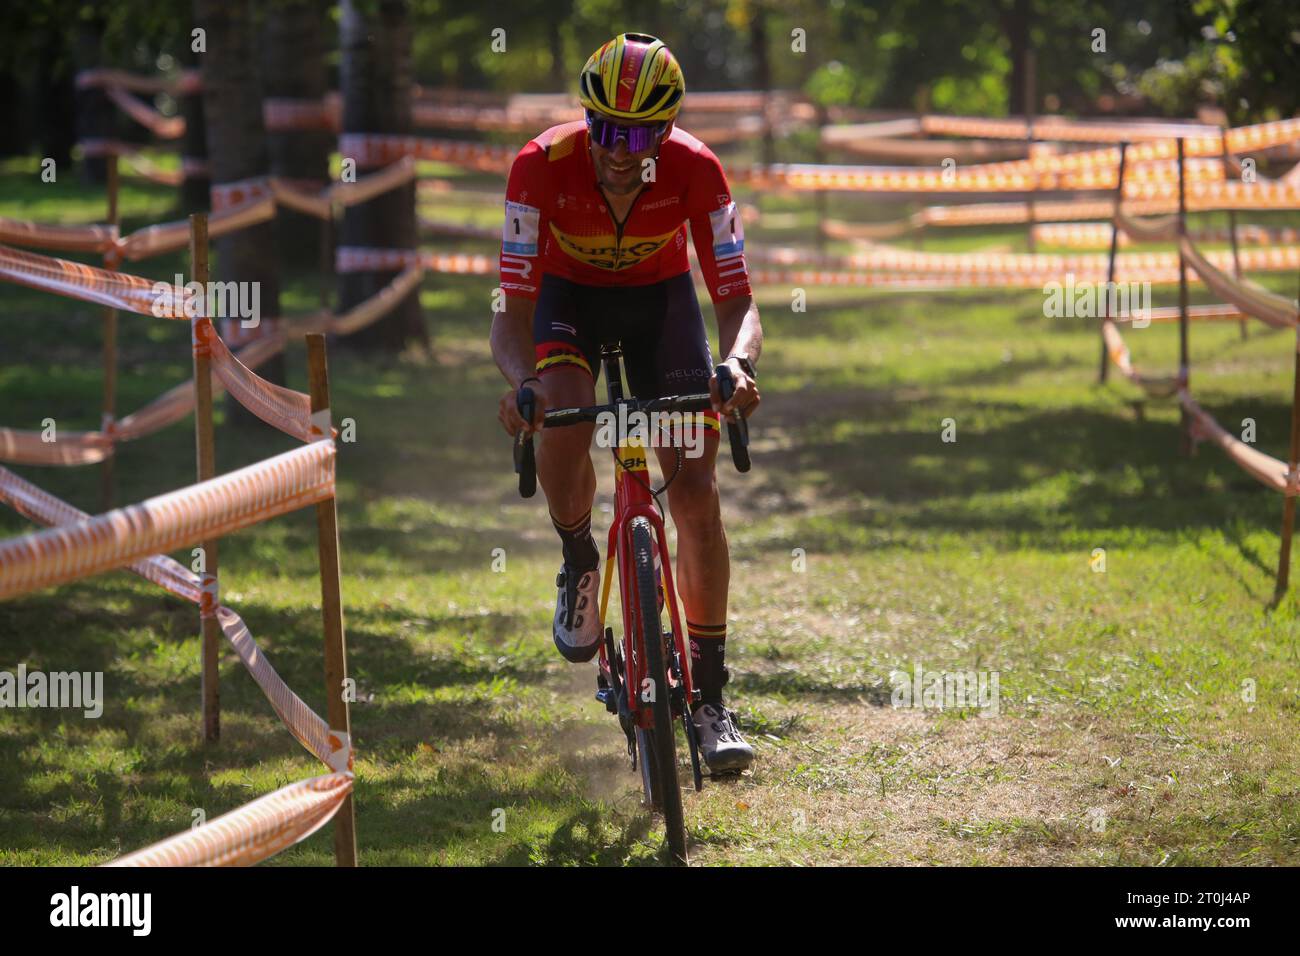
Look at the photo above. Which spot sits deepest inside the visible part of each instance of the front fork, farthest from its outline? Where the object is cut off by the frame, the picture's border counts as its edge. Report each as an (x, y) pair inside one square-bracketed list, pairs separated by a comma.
[(617, 671)]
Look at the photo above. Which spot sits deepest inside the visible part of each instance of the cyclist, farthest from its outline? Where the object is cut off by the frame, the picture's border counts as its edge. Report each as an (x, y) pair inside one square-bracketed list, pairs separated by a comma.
[(594, 250)]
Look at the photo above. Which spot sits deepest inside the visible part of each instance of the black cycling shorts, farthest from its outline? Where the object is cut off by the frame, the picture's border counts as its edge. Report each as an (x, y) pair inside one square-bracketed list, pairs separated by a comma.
[(659, 326)]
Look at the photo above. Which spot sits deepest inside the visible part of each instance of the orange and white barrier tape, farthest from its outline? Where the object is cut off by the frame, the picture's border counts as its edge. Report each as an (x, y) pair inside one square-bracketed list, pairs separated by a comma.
[(379, 304), (363, 259), (164, 127), (1269, 307), (169, 236), (1119, 355), (67, 448), (332, 747), (1265, 469), (38, 235), (282, 114), (236, 206), (1203, 196), (26, 447), (279, 407), (43, 508), (1198, 140), (187, 83), (1020, 176), (207, 510), (372, 149), (254, 832), (1097, 235), (89, 284), (97, 147), (238, 193), (366, 188), (1130, 265)]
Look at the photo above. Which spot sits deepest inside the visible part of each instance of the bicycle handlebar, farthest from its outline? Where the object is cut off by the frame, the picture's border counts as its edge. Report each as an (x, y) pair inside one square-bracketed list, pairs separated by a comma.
[(525, 457), (737, 427)]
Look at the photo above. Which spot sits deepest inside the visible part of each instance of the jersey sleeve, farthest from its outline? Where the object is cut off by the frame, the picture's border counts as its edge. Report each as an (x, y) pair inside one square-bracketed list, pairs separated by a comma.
[(717, 231), (524, 225)]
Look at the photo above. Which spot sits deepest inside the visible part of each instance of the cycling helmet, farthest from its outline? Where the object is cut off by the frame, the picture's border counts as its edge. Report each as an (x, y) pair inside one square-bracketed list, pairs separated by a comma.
[(633, 77)]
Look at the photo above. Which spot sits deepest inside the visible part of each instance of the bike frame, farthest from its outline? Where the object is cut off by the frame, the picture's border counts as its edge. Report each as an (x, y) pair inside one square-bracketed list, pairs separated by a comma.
[(632, 499)]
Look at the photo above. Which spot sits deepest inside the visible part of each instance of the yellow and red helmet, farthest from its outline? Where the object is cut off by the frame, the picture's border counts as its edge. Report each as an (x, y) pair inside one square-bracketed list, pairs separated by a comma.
[(633, 77)]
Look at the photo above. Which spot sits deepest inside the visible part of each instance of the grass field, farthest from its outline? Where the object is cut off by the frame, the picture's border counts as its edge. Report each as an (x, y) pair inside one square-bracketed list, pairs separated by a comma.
[(1148, 714)]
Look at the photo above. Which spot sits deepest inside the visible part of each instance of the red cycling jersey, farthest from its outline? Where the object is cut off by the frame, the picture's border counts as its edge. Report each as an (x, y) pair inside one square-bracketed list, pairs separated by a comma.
[(558, 222)]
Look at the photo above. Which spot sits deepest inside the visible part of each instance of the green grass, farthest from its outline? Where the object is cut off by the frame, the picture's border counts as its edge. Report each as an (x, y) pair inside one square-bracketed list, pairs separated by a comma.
[(1123, 735)]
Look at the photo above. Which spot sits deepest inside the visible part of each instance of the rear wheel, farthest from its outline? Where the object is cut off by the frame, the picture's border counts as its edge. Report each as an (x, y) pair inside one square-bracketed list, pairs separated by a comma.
[(659, 745)]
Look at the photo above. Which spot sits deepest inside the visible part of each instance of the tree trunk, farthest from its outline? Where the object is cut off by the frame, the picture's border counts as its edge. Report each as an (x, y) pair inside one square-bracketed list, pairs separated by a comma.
[(237, 150), (16, 104), (763, 76), (376, 83), (94, 111), (1015, 24), (293, 66), (57, 107)]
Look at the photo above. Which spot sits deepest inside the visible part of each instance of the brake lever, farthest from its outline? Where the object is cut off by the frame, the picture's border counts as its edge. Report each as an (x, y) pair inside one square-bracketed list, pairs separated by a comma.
[(737, 427), (525, 456)]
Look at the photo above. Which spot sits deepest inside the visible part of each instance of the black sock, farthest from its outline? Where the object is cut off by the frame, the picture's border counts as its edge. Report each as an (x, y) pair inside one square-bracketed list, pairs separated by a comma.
[(580, 551), (708, 660)]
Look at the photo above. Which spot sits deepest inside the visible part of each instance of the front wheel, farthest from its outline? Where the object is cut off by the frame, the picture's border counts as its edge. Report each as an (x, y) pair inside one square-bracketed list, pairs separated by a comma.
[(660, 744)]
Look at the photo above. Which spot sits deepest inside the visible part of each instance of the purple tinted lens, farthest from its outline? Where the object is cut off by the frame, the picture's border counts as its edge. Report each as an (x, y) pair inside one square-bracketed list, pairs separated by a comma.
[(608, 133)]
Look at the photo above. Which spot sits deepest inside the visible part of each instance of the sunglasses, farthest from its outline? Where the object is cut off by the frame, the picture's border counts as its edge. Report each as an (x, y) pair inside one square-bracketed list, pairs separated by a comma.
[(607, 133)]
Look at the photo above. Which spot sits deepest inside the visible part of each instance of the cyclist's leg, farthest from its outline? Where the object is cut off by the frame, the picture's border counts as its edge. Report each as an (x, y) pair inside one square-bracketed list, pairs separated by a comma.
[(674, 358), (567, 365), (682, 364)]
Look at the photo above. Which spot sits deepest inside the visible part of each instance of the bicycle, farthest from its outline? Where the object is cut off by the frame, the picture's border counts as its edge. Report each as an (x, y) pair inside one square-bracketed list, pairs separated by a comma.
[(648, 658)]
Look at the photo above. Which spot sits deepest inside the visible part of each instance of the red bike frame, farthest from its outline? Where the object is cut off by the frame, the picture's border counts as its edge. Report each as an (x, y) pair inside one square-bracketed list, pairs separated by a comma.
[(632, 499)]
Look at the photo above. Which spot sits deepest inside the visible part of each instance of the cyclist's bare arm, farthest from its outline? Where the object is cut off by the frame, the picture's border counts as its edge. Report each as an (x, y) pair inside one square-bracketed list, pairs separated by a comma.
[(512, 348), (740, 332)]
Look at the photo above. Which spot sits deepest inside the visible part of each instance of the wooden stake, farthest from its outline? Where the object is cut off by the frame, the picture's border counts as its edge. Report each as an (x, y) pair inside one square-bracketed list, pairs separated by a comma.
[(1288, 503), (108, 411), (336, 654), (1110, 267), (205, 456), (1184, 372), (1232, 225)]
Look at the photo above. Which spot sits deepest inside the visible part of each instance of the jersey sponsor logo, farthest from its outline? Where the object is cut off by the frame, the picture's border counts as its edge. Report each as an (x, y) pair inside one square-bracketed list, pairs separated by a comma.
[(670, 201), (520, 267), (728, 232), (519, 235), (605, 252)]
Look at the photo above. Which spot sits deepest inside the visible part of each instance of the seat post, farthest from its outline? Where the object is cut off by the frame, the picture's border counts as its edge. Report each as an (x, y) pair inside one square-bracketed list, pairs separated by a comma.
[(610, 354)]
